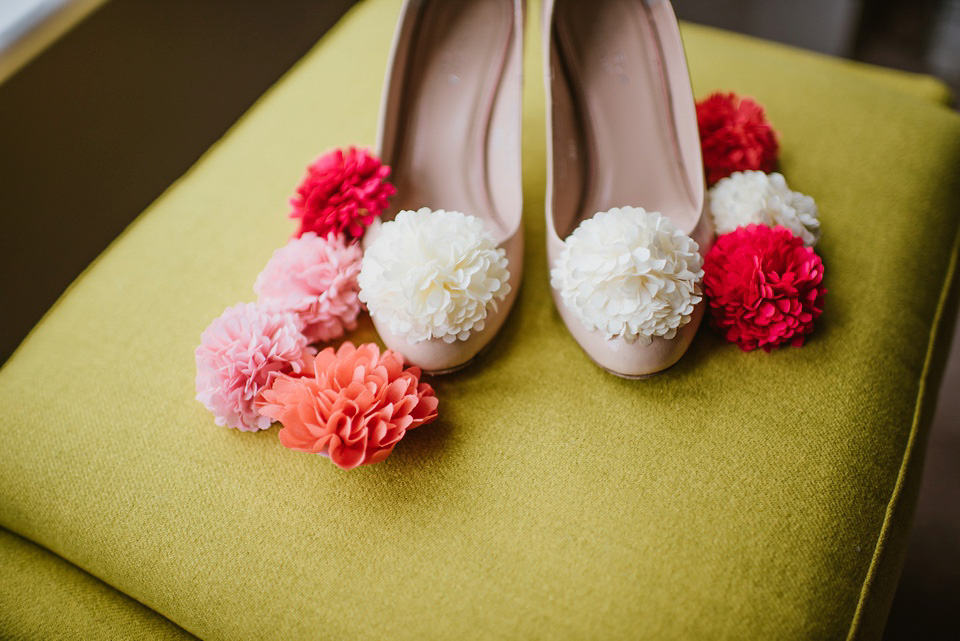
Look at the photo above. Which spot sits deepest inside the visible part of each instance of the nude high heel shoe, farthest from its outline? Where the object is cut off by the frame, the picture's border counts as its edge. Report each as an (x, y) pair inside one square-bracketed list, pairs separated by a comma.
[(443, 265), (626, 226)]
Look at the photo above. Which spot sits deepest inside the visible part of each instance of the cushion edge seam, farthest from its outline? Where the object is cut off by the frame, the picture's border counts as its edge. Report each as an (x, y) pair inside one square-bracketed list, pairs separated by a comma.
[(923, 391)]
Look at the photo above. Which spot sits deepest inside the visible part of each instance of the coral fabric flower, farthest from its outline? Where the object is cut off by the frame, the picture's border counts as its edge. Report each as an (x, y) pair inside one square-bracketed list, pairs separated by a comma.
[(765, 287), (342, 193), (316, 279), (239, 354), (355, 408), (735, 135)]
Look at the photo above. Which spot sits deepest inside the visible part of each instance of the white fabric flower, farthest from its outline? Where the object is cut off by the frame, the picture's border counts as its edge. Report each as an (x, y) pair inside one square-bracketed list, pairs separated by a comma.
[(433, 274), (753, 197), (630, 274)]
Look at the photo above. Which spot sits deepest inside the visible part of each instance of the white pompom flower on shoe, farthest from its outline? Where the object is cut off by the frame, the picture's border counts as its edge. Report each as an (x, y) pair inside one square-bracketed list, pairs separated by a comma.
[(630, 274), (755, 198), (433, 274)]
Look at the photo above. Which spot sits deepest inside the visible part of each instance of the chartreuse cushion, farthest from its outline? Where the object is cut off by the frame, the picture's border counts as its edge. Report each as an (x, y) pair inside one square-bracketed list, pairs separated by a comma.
[(45, 597), (735, 496)]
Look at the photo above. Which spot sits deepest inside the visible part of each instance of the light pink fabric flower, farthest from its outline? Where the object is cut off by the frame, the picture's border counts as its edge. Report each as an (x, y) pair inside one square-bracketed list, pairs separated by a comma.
[(316, 279), (356, 407), (239, 354)]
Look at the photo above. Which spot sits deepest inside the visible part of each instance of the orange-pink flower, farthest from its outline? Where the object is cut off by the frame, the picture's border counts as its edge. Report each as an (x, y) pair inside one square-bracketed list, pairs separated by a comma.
[(355, 407)]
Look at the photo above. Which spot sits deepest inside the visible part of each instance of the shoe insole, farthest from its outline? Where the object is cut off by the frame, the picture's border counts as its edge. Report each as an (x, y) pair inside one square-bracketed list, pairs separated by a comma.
[(623, 137), (445, 155)]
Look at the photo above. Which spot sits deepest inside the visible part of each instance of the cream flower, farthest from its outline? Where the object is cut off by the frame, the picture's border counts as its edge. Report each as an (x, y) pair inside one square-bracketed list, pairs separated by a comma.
[(433, 274), (753, 197), (630, 274)]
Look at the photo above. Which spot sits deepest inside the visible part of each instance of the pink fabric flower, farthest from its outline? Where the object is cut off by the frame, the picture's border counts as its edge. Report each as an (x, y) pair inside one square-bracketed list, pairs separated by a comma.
[(316, 279), (765, 287), (239, 354), (342, 193), (735, 135), (356, 407)]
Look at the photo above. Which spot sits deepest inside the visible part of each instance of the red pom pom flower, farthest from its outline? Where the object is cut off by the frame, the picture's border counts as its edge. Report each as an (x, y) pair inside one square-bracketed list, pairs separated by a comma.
[(735, 135), (342, 192), (765, 287), (355, 407)]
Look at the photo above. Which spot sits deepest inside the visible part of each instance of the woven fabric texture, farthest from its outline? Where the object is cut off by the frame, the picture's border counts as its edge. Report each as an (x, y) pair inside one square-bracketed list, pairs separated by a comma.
[(734, 496), (45, 597)]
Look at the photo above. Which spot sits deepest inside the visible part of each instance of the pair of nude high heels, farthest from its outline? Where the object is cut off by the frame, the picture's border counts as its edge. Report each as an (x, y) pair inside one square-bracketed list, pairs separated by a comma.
[(625, 196)]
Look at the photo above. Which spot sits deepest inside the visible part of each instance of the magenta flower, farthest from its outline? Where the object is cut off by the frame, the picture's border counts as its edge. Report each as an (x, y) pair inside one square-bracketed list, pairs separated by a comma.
[(342, 193)]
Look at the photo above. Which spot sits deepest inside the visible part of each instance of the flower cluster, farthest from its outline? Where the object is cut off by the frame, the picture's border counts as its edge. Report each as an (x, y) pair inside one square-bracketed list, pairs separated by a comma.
[(355, 405), (629, 274), (765, 287), (342, 193), (433, 274), (762, 277), (255, 363), (735, 135)]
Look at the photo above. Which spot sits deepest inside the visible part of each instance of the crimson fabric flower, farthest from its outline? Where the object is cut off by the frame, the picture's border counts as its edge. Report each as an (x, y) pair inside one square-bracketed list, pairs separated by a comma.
[(735, 135), (765, 287), (355, 408), (342, 193)]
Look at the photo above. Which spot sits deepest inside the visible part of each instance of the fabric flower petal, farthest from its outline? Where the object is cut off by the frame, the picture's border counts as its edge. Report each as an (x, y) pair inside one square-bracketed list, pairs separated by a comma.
[(433, 274), (755, 198), (342, 193), (765, 287), (240, 353), (630, 274), (735, 135), (316, 279), (352, 409)]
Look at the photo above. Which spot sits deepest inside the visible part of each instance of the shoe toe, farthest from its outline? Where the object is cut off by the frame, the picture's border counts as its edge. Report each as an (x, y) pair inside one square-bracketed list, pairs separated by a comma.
[(438, 286), (633, 359), (627, 283)]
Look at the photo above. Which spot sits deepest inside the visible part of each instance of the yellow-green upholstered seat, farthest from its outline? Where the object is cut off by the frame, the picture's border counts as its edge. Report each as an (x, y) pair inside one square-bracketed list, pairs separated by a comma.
[(762, 496)]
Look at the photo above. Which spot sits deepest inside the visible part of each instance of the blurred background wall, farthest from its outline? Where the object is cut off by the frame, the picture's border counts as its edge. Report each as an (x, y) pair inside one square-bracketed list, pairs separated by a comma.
[(95, 126), (104, 103), (912, 35)]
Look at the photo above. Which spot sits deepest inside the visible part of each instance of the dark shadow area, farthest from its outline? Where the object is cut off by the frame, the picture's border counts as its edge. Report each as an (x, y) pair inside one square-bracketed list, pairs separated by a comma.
[(100, 123), (925, 604), (893, 33)]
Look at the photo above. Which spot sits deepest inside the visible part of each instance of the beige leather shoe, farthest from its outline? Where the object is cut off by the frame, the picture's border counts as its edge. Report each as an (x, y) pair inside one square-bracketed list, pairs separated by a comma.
[(439, 285), (625, 194)]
